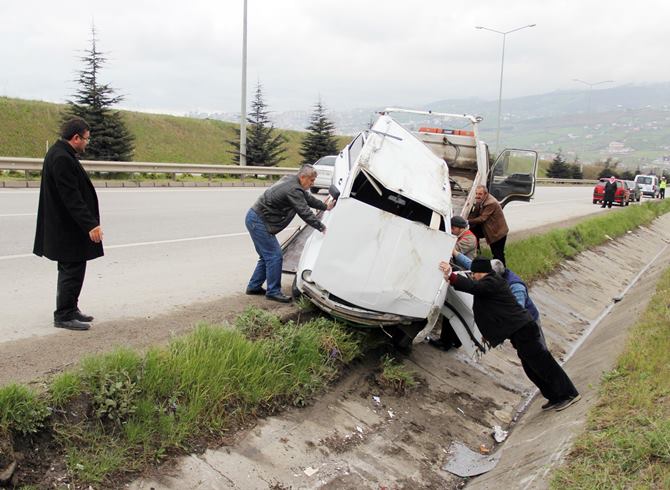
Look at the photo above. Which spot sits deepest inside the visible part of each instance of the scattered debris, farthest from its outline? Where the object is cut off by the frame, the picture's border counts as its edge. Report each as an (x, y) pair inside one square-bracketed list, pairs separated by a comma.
[(359, 429), (391, 414), (377, 400), (484, 449), (310, 471), (465, 462), (504, 416), (498, 434), (616, 299), (457, 408)]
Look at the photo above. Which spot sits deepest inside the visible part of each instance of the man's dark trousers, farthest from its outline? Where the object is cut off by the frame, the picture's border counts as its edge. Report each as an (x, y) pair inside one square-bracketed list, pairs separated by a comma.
[(540, 366), (498, 249), (70, 280)]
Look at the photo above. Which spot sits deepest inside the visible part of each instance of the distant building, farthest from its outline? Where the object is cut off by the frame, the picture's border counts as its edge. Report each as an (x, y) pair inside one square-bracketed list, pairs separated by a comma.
[(617, 148)]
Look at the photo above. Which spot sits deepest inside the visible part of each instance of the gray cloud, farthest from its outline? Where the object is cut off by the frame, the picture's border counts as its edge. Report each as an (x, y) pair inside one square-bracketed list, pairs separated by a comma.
[(181, 57)]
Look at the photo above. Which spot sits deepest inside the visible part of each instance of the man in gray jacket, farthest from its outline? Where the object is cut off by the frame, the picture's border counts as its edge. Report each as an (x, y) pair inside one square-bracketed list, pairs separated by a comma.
[(269, 215)]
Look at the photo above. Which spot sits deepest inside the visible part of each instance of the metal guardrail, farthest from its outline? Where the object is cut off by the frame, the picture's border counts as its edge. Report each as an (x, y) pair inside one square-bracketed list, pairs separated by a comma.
[(545, 180), (35, 164)]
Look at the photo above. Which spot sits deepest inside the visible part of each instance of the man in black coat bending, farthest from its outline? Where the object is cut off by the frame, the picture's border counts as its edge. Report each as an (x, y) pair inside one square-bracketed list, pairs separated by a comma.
[(68, 221), (499, 316)]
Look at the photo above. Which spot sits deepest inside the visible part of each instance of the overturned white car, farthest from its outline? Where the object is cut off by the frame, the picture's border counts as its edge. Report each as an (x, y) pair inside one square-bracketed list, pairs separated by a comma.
[(398, 184)]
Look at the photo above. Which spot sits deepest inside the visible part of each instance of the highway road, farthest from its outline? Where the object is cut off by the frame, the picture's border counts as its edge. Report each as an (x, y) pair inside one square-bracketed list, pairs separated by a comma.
[(167, 248)]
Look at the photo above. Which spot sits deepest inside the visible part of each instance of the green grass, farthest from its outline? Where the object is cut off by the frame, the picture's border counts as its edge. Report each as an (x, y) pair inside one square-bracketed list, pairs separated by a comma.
[(122, 411), (626, 443), (539, 255), (395, 375), (27, 127)]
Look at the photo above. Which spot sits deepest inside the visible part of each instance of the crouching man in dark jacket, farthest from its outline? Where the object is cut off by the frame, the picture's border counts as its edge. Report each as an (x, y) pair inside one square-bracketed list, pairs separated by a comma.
[(269, 215), (500, 317)]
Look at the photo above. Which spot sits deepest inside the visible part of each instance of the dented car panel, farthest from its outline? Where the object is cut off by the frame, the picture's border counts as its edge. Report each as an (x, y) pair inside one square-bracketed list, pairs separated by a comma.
[(379, 261)]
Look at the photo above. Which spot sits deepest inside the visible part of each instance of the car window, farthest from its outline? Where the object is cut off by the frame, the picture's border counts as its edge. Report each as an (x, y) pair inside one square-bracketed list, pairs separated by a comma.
[(328, 161), (643, 180), (354, 149)]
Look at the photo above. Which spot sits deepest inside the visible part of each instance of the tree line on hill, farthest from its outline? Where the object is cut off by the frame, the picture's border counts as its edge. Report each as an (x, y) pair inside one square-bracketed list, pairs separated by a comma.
[(111, 139), (561, 169)]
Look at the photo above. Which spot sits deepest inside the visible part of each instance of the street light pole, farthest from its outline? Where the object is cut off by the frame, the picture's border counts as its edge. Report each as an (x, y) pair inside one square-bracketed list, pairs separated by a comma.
[(588, 105), (502, 67), (243, 112)]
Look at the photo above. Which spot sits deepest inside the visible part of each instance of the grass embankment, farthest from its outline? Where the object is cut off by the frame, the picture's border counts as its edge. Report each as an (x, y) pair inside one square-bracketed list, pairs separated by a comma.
[(120, 412), (626, 443), (27, 127), (538, 255)]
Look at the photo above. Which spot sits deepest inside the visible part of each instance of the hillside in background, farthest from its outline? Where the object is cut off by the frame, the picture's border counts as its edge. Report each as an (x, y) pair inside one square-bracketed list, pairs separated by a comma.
[(27, 127), (630, 123)]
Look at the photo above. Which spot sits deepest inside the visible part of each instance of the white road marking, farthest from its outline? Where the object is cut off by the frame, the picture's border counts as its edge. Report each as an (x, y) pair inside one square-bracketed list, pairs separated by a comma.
[(17, 214), (142, 244)]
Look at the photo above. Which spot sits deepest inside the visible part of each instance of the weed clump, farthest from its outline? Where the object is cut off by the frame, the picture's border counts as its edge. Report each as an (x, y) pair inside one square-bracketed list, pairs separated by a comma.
[(395, 376)]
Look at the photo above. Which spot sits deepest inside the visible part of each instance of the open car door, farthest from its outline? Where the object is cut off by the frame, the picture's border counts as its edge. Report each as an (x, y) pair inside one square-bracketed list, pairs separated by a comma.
[(512, 176)]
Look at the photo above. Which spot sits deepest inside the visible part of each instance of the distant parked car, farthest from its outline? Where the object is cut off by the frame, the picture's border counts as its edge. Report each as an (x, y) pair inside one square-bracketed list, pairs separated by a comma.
[(621, 197), (324, 167), (635, 191)]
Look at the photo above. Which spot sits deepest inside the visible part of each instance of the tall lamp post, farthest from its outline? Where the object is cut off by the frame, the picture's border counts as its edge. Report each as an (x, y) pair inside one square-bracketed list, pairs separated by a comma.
[(502, 65), (588, 102), (243, 112)]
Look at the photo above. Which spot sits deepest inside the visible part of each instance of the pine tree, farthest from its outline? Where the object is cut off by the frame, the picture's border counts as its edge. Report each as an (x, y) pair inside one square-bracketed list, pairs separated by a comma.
[(320, 139), (110, 138), (609, 169), (264, 148), (559, 168)]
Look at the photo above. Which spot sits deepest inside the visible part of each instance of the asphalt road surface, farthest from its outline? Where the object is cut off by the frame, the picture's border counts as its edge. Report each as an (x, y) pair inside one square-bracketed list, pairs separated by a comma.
[(167, 248)]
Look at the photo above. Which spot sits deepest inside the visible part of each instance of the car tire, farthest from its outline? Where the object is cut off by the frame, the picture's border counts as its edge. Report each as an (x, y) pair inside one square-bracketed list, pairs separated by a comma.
[(295, 292), (595, 202), (314, 190)]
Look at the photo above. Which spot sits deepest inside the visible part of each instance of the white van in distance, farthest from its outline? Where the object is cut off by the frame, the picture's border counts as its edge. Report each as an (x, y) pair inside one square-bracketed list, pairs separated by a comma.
[(648, 184)]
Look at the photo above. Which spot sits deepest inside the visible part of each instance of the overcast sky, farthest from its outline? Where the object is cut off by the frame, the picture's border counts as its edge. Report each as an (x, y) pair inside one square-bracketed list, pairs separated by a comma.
[(178, 57)]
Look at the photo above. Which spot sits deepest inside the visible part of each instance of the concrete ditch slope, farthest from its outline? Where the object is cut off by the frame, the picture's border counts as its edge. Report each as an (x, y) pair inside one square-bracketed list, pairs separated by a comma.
[(358, 436)]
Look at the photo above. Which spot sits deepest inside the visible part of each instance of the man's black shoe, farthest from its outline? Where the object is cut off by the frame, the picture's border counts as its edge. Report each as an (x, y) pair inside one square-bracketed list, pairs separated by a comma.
[(280, 298), (437, 343), (72, 325), (83, 317), (566, 403), (550, 404), (255, 292)]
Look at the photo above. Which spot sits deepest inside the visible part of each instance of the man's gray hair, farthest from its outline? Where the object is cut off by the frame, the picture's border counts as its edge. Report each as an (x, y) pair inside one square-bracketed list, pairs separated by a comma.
[(497, 266), (306, 171), (482, 186)]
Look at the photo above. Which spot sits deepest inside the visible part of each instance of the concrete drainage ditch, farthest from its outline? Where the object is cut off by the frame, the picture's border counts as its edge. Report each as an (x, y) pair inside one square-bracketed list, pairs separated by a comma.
[(356, 436)]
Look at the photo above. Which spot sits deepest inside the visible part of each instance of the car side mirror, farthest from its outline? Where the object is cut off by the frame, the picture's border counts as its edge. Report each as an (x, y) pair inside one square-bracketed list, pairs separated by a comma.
[(334, 192)]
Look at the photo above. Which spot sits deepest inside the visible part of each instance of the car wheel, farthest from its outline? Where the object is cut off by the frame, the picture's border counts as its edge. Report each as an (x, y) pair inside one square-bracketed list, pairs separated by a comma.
[(595, 202), (315, 190)]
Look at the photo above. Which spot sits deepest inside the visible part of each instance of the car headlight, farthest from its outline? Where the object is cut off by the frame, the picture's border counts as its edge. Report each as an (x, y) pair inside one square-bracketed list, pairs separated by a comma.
[(307, 276)]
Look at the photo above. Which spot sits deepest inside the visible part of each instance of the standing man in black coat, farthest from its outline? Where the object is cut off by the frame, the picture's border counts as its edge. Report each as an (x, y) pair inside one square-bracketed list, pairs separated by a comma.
[(68, 221), (610, 192), (499, 316)]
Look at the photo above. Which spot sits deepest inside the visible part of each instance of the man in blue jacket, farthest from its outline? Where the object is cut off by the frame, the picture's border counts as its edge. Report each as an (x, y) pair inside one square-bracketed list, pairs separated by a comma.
[(499, 317)]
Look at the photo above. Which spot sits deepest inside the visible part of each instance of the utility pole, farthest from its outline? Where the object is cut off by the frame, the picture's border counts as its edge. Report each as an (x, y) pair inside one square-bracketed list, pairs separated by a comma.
[(502, 65), (243, 112)]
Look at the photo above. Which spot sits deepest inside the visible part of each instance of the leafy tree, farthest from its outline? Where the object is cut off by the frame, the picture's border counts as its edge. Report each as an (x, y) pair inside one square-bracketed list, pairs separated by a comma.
[(110, 138), (627, 175), (559, 168), (320, 139), (264, 148)]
